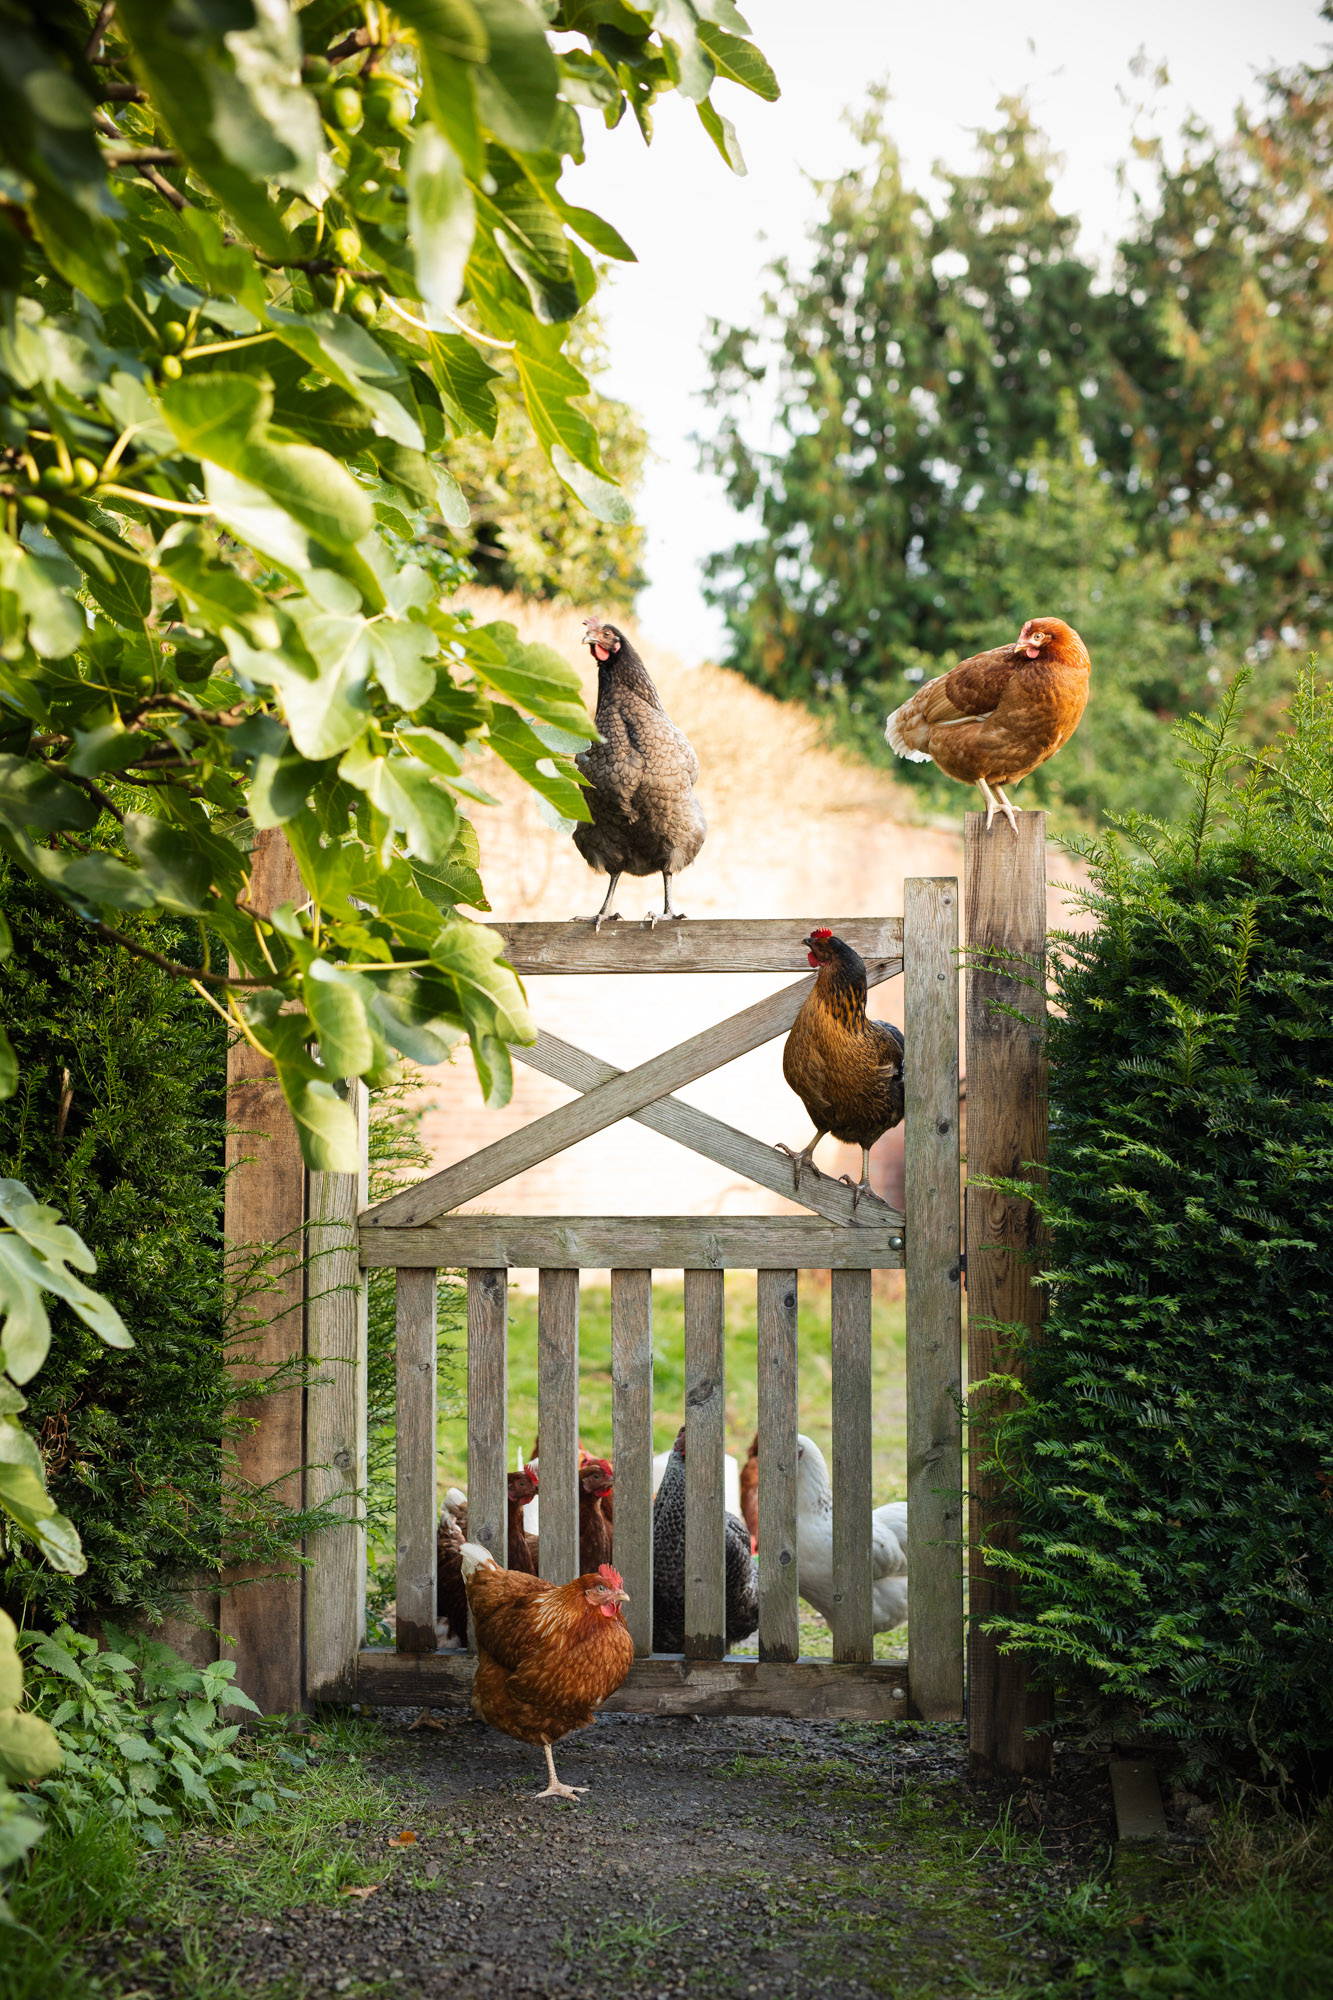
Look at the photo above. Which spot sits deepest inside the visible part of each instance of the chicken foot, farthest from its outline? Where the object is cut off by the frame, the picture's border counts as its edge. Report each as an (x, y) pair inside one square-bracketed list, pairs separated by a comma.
[(652, 920), (554, 1788), (862, 1186), (799, 1161), (606, 915), (997, 802)]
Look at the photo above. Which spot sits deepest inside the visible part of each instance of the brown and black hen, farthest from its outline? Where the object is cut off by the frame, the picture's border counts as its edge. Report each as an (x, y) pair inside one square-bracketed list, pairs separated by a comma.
[(846, 1069), (645, 817)]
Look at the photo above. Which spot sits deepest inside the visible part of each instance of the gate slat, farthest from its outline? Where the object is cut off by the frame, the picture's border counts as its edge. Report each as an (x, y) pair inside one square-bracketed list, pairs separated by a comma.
[(705, 1582), (632, 1445), (779, 1609), (853, 1619), (414, 1467), (934, 1302), (487, 1407), (558, 1422)]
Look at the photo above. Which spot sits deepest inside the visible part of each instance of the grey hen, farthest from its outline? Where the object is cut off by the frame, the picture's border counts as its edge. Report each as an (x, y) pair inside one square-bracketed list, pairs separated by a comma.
[(645, 817), (742, 1582)]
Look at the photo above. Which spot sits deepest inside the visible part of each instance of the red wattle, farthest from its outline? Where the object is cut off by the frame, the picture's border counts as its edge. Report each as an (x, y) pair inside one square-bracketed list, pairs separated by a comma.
[(810, 959)]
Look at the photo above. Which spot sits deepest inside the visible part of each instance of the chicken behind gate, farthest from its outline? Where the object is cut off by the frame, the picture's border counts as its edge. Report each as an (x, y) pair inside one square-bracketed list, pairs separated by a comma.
[(814, 1543), (596, 1514), (547, 1655), (645, 817), (846, 1069), (742, 1582), (750, 1491), (452, 1533), (994, 718)]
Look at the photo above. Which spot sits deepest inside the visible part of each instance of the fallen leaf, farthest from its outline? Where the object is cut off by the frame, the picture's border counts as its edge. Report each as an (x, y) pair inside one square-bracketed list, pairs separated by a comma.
[(402, 1839), (370, 1889)]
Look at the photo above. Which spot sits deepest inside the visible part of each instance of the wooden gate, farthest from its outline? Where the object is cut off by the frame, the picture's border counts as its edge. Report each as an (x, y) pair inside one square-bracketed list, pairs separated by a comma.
[(300, 1637), (416, 1234)]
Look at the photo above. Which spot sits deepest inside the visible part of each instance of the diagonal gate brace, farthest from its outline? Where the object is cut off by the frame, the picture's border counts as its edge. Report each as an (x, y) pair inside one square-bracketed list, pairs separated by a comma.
[(702, 1133), (624, 1094)]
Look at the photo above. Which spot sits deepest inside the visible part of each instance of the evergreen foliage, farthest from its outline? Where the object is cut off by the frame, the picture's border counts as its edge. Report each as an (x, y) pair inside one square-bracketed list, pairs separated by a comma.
[(1174, 1454), (118, 1121)]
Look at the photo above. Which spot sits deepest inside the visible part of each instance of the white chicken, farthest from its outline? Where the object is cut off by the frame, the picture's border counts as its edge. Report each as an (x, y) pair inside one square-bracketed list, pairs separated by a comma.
[(814, 1543)]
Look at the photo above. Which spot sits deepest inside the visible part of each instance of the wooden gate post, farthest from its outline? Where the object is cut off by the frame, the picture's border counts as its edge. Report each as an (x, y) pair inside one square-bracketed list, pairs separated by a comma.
[(1006, 1133), (264, 1212), (335, 1424)]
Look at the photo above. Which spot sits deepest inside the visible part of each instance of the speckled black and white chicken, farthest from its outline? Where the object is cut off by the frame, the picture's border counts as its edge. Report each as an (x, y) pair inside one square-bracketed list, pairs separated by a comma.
[(742, 1576), (641, 776)]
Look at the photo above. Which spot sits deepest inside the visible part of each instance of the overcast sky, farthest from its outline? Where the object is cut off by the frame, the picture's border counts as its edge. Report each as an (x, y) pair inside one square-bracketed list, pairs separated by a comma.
[(704, 236)]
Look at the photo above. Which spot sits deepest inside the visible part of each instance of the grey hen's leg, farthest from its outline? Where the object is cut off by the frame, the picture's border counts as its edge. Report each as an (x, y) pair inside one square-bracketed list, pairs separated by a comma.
[(652, 920), (606, 915)]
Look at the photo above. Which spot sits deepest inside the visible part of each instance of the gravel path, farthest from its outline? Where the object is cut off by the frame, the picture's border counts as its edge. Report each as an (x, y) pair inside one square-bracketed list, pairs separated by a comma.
[(718, 1858)]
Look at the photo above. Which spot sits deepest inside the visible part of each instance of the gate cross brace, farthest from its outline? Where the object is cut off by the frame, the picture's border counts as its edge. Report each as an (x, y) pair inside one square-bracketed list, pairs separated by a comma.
[(702, 1133), (624, 1094)]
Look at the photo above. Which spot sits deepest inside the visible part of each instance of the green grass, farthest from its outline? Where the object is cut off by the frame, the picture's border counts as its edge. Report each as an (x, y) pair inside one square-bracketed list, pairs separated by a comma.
[(79, 1887), (814, 1389), (888, 1376)]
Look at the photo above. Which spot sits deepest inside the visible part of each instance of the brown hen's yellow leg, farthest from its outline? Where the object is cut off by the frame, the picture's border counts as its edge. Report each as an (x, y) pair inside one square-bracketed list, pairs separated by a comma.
[(1006, 807), (554, 1788), (992, 803)]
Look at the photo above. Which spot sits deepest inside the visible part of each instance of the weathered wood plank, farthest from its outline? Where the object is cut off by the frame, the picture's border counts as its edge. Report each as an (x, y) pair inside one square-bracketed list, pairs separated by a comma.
[(705, 1401), (606, 1105), (558, 1422), (1006, 1134), (1137, 1798), (632, 1444), (263, 1218), (637, 1242), (699, 945), (779, 1612), (335, 1405), (670, 1685), (488, 1410), (852, 1466), (702, 1133), (934, 1301), (414, 1463)]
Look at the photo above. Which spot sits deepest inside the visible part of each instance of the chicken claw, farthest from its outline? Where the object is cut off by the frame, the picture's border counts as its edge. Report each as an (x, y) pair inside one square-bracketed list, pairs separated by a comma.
[(801, 1160), (554, 1788), (602, 917), (858, 1188)]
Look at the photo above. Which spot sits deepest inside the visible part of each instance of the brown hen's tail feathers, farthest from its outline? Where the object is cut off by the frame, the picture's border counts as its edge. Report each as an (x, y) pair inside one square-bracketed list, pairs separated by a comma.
[(893, 729)]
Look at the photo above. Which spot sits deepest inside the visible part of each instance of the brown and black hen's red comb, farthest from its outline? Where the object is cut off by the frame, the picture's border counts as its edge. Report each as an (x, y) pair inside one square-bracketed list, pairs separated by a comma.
[(821, 935)]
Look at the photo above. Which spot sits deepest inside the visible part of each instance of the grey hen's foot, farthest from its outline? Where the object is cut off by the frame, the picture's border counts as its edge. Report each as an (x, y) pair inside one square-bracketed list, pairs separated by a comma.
[(612, 918), (656, 917)]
